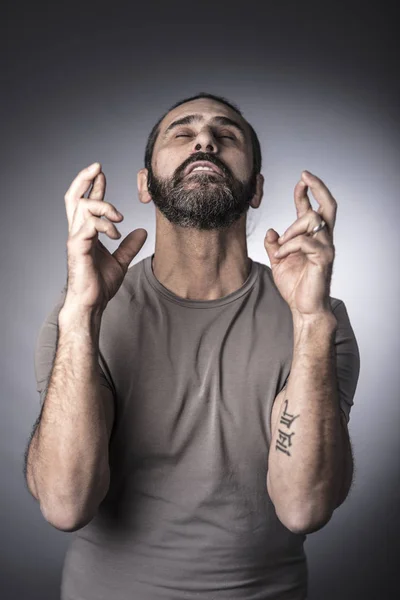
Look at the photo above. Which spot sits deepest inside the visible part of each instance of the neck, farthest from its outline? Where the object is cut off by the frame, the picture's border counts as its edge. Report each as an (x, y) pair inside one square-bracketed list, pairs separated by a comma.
[(200, 265)]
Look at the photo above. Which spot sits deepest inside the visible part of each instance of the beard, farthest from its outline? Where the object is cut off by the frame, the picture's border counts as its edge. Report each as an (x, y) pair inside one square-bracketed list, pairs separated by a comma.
[(202, 200)]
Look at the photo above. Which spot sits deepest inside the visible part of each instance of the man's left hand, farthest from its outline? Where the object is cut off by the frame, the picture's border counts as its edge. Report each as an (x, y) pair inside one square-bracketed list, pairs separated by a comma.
[(302, 271)]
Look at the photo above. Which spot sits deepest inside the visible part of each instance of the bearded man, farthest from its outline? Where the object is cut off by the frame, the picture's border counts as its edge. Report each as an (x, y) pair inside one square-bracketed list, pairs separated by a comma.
[(194, 407)]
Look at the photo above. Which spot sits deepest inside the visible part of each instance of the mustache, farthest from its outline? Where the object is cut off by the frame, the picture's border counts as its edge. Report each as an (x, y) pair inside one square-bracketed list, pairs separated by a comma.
[(202, 156)]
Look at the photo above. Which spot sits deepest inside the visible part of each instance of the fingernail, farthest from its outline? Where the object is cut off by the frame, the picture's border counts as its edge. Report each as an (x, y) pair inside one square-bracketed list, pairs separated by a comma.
[(93, 166)]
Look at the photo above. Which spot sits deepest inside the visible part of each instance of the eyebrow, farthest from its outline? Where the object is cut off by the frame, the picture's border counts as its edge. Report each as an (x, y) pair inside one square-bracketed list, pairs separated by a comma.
[(191, 118)]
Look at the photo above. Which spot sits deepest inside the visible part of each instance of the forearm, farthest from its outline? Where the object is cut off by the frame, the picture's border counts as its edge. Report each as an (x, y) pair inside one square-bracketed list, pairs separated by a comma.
[(68, 455), (306, 456)]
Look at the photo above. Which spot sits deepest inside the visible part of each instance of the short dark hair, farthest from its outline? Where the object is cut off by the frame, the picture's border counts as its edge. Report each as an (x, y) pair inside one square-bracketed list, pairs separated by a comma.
[(156, 129)]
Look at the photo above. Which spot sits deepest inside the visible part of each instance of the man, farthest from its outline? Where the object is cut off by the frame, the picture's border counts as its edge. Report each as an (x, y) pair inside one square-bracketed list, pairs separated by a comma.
[(194, 407)]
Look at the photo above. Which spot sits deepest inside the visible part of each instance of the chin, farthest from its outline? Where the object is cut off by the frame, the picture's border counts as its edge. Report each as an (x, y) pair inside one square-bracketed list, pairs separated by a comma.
[(195, 182)]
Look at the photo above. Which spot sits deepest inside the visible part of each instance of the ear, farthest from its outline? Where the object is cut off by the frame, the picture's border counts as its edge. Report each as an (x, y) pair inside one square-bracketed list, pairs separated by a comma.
[(144, 195), (256, 200)]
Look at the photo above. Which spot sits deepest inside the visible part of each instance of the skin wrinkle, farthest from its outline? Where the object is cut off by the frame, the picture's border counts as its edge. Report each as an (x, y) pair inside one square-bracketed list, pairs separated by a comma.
[(189, 119)]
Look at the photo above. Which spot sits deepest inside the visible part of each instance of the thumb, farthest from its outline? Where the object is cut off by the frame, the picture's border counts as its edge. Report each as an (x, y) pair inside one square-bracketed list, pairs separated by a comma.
[(129, 247), (271, 245)]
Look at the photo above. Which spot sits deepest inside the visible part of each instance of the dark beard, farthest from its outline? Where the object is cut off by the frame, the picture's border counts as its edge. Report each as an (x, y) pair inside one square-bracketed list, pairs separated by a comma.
[(202, 200)]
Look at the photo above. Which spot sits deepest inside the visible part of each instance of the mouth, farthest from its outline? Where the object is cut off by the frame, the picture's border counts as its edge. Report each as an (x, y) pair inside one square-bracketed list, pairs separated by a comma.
[(203, 166)]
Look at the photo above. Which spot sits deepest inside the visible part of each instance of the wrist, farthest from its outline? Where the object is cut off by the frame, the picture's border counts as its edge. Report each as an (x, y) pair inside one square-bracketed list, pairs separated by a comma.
[(73, 315), (324, 318)]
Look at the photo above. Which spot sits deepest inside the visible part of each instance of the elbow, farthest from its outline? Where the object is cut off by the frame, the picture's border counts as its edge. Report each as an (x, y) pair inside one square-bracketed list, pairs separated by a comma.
[(304, 526), (66, 521), (74, 513), (303, 514), (69, 516), (303, 522)]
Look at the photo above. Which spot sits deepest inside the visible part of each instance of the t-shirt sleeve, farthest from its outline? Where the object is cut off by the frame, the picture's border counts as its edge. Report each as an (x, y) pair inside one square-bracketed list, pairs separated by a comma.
[(45, 351), (347, 358)]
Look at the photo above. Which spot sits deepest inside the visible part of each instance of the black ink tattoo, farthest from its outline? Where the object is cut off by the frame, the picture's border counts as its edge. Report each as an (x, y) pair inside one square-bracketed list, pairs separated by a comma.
[(284, 440), (286, 418)]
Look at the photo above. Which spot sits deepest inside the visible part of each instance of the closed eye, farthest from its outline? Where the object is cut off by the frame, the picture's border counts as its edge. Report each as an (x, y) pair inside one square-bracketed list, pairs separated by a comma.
[(220, 136)]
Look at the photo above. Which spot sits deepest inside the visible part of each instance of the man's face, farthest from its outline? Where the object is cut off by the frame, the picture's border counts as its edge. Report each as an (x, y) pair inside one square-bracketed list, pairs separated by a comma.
[(202, 199)]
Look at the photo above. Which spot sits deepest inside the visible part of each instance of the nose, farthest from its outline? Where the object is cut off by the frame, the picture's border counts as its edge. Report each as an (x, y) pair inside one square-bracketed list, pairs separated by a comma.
[(209, 147), (205, 141)]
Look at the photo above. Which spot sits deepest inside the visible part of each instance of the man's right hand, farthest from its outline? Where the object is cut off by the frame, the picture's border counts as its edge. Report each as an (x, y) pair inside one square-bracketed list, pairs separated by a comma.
[(95, 275)]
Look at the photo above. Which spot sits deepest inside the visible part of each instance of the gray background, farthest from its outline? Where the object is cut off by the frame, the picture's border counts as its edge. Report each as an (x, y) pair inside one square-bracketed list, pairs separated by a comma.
[(320, 85)]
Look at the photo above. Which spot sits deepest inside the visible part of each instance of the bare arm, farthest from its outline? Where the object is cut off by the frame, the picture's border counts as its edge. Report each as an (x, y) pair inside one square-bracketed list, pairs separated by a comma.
[(67, 463), (310, 461), (67, 469)]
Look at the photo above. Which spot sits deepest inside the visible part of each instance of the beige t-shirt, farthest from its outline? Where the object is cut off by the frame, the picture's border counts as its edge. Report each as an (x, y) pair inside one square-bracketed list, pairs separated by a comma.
[(187, 515)]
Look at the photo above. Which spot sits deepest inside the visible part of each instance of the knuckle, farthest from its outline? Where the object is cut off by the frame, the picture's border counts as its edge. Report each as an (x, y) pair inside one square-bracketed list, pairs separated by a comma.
[(98, 206), (108, 206), (112, 207), (104, 225), (92, 203), (87, 204)]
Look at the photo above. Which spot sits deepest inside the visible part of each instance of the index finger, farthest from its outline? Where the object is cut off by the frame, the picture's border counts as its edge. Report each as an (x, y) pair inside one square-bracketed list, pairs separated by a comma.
[(79, 186), (327, 203)]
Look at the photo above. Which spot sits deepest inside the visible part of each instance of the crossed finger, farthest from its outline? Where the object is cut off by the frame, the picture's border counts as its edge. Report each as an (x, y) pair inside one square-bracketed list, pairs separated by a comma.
[(324, 253), (80, 185), (327, 204), (299, 236), (305, 225)]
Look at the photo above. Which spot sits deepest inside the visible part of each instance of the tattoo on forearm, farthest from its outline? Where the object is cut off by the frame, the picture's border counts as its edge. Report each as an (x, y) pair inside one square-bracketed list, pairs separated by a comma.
[(286, 418), (284, 441)]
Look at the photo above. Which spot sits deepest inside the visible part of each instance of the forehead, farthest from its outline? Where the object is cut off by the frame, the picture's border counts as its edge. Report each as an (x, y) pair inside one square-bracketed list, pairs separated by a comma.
[(208, 109)]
